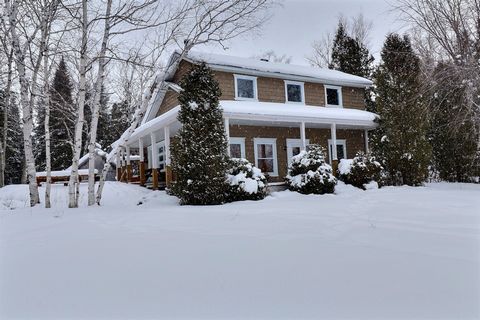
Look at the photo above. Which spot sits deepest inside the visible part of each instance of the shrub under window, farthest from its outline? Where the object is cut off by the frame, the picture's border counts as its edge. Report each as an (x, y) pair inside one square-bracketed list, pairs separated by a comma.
[(246, 181), (309, 173), (360, 171)]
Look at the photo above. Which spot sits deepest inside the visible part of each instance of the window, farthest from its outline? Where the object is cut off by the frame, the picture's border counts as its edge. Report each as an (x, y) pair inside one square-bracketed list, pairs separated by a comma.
[(161, 155), (245, 87), (333, 96), (294, 146), (266, 155), (237, 147), (341, 149), (294, 92)]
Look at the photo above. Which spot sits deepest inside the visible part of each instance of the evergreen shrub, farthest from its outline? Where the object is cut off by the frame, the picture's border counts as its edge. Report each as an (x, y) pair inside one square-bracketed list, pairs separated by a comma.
[(246, 181), (309, 173), (360, 171)]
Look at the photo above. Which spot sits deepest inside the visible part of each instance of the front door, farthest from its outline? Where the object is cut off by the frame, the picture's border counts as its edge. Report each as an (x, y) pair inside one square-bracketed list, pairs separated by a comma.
[(294, 146)]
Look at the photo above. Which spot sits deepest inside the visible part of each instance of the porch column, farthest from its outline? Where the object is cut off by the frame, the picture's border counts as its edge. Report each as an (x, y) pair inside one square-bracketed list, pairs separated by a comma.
[(122, 164), (303, 136), (154, 162), (333, 132), (168, 168), (129, 164), (365, 135), (227, 134), (141, 165), (119, 166)]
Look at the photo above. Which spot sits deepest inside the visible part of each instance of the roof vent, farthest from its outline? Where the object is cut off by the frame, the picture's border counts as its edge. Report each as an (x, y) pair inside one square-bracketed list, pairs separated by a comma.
[(264, 59)]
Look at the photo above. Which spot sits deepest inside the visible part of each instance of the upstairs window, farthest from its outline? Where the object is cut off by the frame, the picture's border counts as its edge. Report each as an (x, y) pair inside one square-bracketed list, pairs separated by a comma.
[(245, 87), (294, 92), (333, 96)]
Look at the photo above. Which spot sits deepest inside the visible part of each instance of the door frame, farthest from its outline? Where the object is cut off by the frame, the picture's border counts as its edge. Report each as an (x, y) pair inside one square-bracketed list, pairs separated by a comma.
[(291, 143), (340, 142)]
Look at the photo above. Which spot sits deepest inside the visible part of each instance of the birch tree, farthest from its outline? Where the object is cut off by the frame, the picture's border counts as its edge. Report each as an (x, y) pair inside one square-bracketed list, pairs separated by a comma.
[(28, 51)]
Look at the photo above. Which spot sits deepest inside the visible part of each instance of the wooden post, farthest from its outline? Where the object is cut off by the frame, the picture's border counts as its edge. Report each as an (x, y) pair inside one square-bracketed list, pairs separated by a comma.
[(141, 165), (168, 168), (129, 164), (303, 136), (154, 161), (333, 132)]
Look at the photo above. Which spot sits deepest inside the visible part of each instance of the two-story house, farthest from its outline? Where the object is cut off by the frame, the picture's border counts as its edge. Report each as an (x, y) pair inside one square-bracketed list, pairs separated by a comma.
[(272, 111)]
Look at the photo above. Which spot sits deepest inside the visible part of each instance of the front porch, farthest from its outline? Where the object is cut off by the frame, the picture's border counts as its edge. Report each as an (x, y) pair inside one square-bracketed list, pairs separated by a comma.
[(266, 134)]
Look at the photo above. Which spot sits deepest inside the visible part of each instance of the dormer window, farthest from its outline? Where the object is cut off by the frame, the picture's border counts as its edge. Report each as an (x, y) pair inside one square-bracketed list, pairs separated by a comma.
[(333, 96), (245, 87), (294, 92)]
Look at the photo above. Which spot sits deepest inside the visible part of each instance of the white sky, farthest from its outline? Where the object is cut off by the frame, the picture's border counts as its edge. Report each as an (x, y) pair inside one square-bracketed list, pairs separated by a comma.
[(296, 24)]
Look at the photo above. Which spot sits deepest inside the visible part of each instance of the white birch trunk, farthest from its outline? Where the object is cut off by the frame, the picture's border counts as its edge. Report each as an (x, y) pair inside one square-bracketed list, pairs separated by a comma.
[(46, 101), (102, 61), (3, 143), (73, 188), (26, 104)]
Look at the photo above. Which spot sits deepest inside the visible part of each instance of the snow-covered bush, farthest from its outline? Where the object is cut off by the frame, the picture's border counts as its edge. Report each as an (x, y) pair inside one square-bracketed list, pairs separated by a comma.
[(246, 181), (360, 171), (309, 173)]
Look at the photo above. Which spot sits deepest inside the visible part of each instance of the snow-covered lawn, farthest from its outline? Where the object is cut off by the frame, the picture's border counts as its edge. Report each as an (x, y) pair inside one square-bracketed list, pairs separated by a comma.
[(398, 253)]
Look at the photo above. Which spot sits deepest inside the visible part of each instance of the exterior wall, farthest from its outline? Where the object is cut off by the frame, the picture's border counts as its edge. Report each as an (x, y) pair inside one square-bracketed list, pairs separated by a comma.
[(354, 141), (269, 90)]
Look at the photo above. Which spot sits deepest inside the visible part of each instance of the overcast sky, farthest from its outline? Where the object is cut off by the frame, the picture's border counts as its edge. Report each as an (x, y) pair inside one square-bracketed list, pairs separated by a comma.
[(296, 24)]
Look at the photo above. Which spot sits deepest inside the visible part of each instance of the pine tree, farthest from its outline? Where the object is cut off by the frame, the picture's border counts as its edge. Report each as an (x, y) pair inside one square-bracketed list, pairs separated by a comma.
[(62, 119), (454, 143), (120, 117), (14, 165), (199, 152), (401, 142), (104, 122), (351, 56)]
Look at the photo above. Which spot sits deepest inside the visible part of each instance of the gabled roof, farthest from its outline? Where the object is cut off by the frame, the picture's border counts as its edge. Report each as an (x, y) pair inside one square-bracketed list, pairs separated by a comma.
[(277, 70), (255, 67)]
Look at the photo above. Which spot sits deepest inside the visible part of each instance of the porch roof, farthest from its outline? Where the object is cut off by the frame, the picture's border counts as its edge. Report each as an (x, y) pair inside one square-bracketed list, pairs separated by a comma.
[(269, 112)]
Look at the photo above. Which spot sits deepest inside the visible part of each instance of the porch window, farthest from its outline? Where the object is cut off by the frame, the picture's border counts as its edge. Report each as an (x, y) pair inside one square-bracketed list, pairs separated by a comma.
[(237, 148), (341, 149), (161, 155), (266, 155), (245, 87), (333, 96), (294, 91)]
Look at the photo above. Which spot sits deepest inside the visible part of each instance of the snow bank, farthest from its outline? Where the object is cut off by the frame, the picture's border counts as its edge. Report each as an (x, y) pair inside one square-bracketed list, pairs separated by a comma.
[(344, 166), (401, 252)]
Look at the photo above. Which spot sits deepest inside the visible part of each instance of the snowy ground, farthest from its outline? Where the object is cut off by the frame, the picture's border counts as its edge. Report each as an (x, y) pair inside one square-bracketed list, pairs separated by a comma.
[(403, 253)]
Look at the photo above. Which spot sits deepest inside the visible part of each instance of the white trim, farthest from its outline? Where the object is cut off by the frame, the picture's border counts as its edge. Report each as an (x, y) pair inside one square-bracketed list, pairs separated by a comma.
[(303, 136), (166, 146), (244, 77), (140, 150), (302, 88), (340, 96), (127, 150), (227, 133), (365, 136), (154, 164), (292, 143), (273, 142), (241, 142), (341, 142)]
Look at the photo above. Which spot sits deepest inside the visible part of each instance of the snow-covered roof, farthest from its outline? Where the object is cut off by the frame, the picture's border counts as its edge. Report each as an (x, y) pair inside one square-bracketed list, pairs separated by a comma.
[(288, 112), (270, 112), (279, 70), (64, 173), (84, 159)]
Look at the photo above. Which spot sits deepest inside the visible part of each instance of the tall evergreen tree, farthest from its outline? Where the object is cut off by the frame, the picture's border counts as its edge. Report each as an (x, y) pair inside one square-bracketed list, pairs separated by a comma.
[(14, 164), (350, 55), (104, 122), (454, 142), (199, 154), (62, 122), (401, 139)]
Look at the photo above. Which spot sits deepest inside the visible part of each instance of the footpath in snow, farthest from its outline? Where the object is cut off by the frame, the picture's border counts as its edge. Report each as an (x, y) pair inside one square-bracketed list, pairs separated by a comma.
[(392, 253)]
